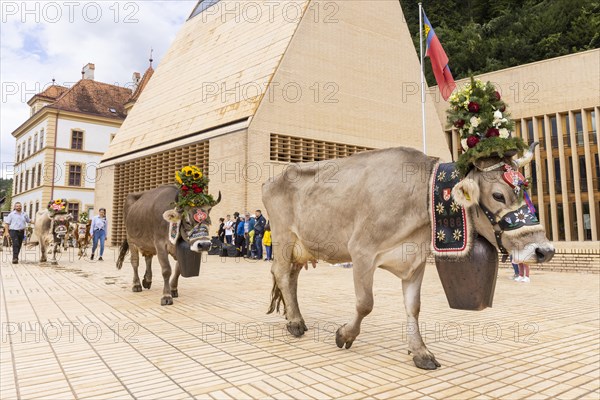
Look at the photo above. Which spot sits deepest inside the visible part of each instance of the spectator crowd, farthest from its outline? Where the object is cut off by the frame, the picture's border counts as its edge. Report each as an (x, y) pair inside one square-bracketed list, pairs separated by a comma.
[(250, 234)]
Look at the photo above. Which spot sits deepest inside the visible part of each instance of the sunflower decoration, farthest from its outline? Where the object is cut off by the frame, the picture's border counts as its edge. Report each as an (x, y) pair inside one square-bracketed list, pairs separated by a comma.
[(58, 206), (193, 188), (479, 114)]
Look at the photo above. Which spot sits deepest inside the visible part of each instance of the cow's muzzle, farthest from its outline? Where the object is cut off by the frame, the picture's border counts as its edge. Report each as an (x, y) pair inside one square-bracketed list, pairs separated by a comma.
[(201, 245), (544, 254)]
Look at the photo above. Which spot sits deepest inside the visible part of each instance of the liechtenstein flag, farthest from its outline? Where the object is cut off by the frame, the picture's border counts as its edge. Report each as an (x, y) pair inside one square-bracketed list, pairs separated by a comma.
[(439, 60)]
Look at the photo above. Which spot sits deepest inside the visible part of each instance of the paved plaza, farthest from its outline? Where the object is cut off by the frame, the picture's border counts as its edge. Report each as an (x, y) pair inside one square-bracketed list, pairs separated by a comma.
[(76, 330)]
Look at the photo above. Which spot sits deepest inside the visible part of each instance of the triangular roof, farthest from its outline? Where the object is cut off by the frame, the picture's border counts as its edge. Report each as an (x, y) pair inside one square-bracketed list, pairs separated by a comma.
[(50, 94), (92, 97), (215, 72)]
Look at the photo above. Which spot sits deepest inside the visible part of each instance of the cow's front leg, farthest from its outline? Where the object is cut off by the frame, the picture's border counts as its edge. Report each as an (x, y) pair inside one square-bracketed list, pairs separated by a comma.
[(167, 298), (411, 289), (285, 288), (55, 249), (135, 263), (43, 250), (147, 281), (363, 288), (175, 280)]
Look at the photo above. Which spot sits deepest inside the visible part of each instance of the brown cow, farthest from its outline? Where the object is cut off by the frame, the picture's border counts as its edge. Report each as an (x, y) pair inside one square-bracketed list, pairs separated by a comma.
[(148, 217), (50, 232), (82, 232), (372, 209)]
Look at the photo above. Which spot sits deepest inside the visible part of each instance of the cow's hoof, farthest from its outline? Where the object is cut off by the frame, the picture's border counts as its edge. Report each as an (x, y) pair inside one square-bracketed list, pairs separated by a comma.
[(166, 301), (146, 284), (297, 329), (427, 361), (136, 288), (340, 341), (174, 293)]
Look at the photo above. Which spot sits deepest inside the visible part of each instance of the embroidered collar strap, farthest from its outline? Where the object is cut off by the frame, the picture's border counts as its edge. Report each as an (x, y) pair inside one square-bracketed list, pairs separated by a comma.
[(451, 234)]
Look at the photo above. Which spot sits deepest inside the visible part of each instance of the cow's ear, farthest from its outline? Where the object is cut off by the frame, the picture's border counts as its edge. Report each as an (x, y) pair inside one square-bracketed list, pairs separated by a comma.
[(172, 216), (466, 192)]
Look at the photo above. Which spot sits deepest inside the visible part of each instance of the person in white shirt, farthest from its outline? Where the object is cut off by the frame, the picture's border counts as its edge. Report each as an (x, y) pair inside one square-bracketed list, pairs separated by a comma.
[(229, 230), (98, 230), (14, 225)]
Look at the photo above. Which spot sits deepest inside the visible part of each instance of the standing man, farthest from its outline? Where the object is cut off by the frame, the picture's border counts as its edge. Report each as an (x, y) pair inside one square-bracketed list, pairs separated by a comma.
[(229, 230), (259, 231), (14, 225), (98, 230)]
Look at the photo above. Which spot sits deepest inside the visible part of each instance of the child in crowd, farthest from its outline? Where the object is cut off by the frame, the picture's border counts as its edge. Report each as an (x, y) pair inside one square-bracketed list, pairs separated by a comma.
[(268, 242)]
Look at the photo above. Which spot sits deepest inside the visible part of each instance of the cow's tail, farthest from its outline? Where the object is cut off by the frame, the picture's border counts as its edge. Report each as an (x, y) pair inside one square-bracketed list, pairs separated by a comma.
[(122, 253), (276, 299)]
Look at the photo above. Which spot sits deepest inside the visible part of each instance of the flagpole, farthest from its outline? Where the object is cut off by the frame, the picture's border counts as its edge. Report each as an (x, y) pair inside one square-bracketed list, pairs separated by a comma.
[(422, 77)]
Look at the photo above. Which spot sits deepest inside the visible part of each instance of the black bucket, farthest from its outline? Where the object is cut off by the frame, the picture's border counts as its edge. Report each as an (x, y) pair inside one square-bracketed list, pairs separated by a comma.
[(469, 283), (189, 261)]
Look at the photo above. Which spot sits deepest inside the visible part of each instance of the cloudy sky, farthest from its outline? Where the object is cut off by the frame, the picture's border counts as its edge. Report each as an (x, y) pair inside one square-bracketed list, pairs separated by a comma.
[(41, 40)]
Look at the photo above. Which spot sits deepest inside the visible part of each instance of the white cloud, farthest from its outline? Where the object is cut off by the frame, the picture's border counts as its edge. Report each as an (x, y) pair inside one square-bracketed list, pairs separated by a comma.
[(41, 40)]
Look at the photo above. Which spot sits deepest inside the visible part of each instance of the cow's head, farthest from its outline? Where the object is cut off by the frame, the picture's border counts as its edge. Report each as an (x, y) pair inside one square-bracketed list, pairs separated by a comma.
[(61, 225), (193, 224), (500, 211)]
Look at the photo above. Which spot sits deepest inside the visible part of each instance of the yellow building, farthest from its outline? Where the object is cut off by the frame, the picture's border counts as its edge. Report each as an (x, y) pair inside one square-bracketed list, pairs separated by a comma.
[(248, 87)]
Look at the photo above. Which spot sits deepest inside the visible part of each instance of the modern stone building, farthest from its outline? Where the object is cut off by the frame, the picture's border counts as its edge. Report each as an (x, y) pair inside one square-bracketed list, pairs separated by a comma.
[(249, 87)]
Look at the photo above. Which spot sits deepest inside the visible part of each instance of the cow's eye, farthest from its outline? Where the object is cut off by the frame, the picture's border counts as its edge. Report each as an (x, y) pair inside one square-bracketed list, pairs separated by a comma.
[(499, 197)]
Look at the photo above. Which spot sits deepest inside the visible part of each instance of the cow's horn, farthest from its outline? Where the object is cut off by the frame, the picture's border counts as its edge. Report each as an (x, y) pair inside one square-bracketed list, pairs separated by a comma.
[(218, 199), (527, 157)]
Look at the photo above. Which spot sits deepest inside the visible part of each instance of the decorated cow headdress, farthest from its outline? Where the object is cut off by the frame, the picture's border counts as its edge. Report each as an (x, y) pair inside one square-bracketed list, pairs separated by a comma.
[(58, 206), (193, 188)]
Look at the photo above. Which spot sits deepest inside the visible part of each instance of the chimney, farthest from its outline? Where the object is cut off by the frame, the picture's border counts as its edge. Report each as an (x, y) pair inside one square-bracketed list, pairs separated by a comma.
[(88, 71), (136, 78)]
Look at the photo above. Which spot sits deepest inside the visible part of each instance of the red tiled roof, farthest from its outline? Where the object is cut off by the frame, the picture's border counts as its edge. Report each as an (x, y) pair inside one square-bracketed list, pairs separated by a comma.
[(52, 93), (91, 97), (143, 82)]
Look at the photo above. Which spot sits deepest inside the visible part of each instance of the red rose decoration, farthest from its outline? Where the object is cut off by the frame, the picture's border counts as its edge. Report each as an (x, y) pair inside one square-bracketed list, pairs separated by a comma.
[(185, 188), (194, 186), (492, 132), (497, 94), (459, 123), (473, 107), (197, 190), (472, 141), (502, 108)]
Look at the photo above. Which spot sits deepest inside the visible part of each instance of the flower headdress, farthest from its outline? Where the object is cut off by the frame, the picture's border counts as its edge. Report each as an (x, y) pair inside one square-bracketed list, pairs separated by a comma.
[(485, 128), (58, 206), (83, 218), (193, 188)]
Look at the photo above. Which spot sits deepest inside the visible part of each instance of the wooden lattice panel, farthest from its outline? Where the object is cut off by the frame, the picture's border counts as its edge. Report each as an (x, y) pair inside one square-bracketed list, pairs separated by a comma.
[(295, 149), (149, 172)]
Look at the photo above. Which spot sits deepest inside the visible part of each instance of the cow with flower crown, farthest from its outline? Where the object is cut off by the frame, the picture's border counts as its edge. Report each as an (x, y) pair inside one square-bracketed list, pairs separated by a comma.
[(392, 208), (169, 220), (51, 229)]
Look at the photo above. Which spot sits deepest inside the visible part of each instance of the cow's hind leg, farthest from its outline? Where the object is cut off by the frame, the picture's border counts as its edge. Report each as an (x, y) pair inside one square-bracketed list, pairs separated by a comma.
[(163, 259), (175, 280), (363, 272), (411, 289), (147, 281), (285, 285), (135, 263)]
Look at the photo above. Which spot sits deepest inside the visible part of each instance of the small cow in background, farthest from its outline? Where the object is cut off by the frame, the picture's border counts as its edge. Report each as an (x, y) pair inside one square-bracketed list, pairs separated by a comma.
[(82, 234)]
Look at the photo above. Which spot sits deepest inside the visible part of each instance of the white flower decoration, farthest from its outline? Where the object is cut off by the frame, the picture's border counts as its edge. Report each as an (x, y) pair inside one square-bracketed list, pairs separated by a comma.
[(441, 236), (475, 121), (457, 234), (504, 133), (440, 208), (497, 114), (464, 145)]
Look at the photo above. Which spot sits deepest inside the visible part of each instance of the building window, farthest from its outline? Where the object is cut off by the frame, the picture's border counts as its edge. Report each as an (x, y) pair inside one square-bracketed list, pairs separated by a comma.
[(28, 147), (567, 127), (18, 153), (35, 142), (530, 130), (579, 128), (557, 185), (30, 210), (554, 132), (23, 151), (74, 175), (593, 131), (597, 179), (33, 177), (26, 179), (77, 140), (37, 207), (16, 191), (39, 176), (74, 211), (25, 208), (41, 139), (582, 174)]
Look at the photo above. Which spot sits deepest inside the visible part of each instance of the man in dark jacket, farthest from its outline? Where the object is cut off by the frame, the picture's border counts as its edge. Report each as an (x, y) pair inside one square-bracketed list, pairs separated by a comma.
[(259, 231)]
